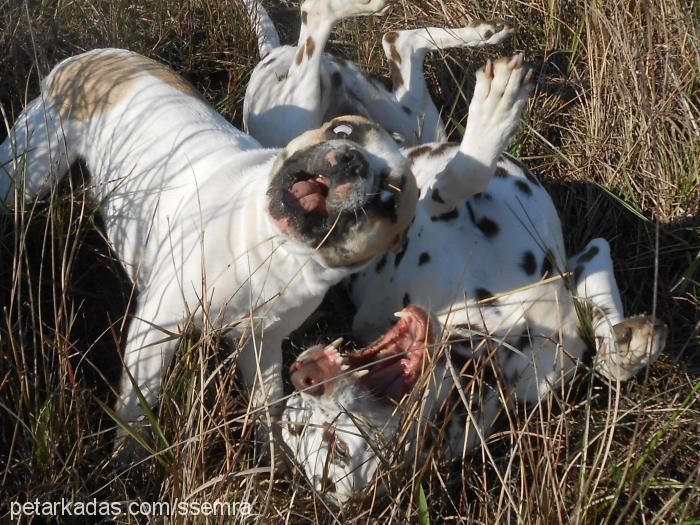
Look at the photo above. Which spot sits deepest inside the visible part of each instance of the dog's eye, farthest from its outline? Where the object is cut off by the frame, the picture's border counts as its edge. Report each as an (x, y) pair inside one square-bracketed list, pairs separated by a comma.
[(343, 131)]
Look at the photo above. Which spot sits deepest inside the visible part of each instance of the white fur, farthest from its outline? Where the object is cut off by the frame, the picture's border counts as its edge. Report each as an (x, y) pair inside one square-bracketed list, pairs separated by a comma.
[(183, 196), (305, 94)]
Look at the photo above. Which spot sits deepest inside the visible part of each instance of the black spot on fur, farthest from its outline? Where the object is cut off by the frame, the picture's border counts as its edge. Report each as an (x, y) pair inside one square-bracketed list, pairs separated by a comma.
[(547, 268), (336, 79), (488, 227), (470, 211), (523, 186), (529, 263), (406, 110), (483, 195), (578, 271), (592, 252), (329, 486), (435, 195), (380, 264), (406, 300), (399, 256), (447, 216), (423, 259), (523, 340), (482, 294), (459, 358), (501, 172)]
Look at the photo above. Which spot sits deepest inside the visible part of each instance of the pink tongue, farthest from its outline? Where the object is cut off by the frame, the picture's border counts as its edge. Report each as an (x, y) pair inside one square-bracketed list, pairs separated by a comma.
[(309, 195)]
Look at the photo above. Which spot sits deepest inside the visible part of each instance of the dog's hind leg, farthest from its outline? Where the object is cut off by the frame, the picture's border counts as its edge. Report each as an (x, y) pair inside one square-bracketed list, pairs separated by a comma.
[(38, 151), (268, 38), (405, 50), (624, 346), (285, 94), (318, 19)]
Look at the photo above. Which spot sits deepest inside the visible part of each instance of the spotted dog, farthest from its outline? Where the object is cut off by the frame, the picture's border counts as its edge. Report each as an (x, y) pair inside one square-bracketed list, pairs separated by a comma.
[(296, 88), (512, 313), (212, 227)]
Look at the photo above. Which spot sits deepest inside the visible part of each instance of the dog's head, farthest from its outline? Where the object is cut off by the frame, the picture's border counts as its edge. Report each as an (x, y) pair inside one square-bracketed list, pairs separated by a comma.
[(343, 418), (344, 189)]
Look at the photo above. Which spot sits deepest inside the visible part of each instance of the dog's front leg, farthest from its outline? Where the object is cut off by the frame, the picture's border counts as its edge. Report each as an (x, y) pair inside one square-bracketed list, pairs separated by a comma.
[(150, 346), (501, 90), (624, 346), (260, 367)]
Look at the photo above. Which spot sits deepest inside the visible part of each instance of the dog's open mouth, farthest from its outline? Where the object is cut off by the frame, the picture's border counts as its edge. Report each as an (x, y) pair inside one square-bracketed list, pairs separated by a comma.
[(311, 192), (326, 180), (389, 367)]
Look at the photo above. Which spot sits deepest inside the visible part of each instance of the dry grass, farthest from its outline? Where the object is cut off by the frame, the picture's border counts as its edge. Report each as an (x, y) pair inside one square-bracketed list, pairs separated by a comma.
[(614, 129)]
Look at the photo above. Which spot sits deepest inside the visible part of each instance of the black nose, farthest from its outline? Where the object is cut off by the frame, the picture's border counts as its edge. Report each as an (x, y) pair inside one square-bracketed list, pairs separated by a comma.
[(351, 164)]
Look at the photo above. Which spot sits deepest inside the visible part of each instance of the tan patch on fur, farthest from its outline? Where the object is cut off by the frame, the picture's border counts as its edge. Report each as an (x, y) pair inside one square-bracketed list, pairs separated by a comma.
[(419, 152), (391, 37), (395, 55), (92, 84), (396, 76), (310, 46), (300, 55)]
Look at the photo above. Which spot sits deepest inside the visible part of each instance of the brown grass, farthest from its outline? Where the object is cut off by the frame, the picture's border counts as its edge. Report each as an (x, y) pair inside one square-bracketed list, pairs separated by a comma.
[(614, 130)]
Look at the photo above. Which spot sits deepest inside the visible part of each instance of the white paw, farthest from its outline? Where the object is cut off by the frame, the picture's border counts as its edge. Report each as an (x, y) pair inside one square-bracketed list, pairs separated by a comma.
[(501, 91), (338, 9), (494, 32), (639, 341)]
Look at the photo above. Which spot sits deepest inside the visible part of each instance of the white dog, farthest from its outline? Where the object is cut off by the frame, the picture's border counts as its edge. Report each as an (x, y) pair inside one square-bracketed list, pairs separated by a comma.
[(210, 226)]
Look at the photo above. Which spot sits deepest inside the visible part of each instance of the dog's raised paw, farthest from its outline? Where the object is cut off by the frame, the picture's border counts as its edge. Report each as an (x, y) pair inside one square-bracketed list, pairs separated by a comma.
[(494, 31), (339, 9)]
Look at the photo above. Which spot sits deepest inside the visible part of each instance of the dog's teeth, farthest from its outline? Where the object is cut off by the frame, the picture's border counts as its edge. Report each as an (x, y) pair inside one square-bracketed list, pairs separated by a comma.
[(344, 368), (361, 373), (336, 344), (402, 314)]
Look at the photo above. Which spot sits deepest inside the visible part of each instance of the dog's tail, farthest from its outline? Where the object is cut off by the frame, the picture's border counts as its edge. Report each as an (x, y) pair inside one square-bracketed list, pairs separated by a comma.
[(36, 153), (268, 38)]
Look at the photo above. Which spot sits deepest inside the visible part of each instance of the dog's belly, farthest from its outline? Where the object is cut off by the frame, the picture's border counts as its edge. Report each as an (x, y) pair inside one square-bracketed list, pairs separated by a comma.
[(345, 90), (476, 265)]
